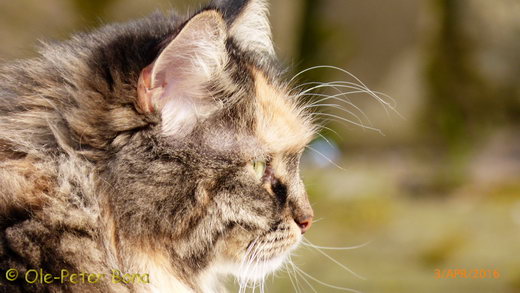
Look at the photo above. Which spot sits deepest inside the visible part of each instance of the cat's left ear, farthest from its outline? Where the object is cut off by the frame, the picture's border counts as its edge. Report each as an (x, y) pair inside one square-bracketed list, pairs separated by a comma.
[(174, 84), (248, 22)]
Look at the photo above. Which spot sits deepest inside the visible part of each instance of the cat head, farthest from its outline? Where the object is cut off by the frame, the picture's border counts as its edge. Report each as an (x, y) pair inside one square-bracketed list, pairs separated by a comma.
[(215, 181)]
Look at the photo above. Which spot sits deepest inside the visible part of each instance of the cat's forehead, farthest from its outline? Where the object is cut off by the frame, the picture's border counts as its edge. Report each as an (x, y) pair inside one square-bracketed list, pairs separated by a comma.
[(281, 125)]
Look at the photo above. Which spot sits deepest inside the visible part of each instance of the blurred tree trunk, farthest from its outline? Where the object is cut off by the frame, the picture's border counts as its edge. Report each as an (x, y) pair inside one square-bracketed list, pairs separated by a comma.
[(456, 96), (462, 105), (323, 39), (310, 39), (459, 98)]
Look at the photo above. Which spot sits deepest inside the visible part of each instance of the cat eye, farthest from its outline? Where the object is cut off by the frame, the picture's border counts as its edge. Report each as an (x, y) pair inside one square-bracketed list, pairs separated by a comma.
[(259, 168)]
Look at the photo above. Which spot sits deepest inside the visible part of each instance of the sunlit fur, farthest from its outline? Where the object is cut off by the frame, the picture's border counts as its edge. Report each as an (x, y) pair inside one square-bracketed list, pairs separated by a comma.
[(252, 28), (131, 148)]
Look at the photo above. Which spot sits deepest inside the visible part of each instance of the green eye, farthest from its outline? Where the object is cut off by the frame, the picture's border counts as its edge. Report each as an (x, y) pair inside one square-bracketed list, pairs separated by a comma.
[(259, 168)]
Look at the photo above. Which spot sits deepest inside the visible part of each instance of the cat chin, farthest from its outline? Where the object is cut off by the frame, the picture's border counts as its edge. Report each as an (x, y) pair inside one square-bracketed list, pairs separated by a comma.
[(259, 270), (255, 271)]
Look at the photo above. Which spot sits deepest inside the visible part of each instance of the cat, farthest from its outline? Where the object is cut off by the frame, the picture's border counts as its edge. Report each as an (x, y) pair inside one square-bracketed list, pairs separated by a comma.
[(159, 155)]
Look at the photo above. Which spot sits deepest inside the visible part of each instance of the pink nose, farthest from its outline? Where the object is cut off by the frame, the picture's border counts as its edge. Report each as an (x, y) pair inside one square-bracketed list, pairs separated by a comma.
[(304, 224)]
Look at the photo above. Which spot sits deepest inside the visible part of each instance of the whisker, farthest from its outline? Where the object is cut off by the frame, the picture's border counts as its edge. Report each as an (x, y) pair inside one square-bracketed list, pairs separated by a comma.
[(337, 98), (306, 282), (326, 284), (392, 102), (386, 105), (324, 85), (258, 264), (247, 261), (350, 121), (262, 283), (339, 264), (297, 274), (317, 220), (321, 127), (335, 106), (332, 85), (324, 138), (306, 242), (253, 260), (329, 67), (286, 266), (340, 97), (355, 86), (305, 279), (326, 158), (359, 85)]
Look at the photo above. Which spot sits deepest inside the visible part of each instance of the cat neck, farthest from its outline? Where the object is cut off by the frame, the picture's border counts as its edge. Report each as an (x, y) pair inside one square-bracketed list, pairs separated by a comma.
[(165, 278)]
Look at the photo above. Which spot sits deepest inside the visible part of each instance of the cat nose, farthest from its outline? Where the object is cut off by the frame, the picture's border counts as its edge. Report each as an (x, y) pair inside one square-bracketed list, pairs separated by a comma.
[(300, 206), (304, 224)]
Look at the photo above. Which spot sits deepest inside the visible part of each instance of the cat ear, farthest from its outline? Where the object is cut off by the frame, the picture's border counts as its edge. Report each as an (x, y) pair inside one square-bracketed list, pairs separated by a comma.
[(248, 22), (174, 83)]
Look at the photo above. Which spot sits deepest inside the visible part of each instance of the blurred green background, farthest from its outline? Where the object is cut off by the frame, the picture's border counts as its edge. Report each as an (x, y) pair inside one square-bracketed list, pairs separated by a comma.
[(439, 190)]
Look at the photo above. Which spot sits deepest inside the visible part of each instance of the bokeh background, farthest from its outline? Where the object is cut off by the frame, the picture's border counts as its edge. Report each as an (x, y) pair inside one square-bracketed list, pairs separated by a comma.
[(435, 185)]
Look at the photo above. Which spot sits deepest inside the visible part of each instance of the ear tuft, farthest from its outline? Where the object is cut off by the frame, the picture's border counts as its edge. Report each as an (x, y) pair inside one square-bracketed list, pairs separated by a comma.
[(249, 24)]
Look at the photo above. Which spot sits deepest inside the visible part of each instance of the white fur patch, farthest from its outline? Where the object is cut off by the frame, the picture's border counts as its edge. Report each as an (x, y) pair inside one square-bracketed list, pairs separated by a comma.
[(258, 271), (162, 277), (252, 29)]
